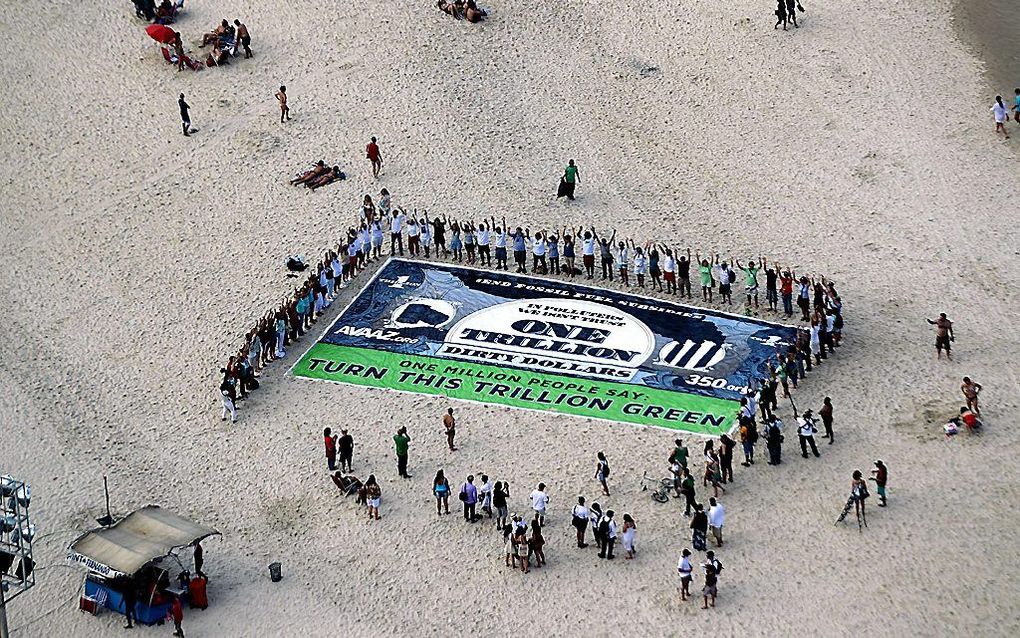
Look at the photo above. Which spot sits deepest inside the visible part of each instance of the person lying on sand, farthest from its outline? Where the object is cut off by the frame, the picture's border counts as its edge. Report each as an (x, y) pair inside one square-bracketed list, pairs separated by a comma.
[(328, 178), (316, 171), (455, 8), (472, 13)]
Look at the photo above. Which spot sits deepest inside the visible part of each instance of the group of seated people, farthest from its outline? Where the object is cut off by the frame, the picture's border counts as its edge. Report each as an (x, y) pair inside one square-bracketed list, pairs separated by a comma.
[(165, 13), (224, 41), (318, 176), (462, 9), (967, 420)]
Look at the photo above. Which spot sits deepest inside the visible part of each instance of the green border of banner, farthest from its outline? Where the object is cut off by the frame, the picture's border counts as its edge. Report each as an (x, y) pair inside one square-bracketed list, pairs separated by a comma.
[(470, 381)]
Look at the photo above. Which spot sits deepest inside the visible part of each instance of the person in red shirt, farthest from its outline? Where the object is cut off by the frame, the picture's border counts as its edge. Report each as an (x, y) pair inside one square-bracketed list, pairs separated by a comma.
[(786, 289), (374, 156), (330, 441), (176, 614)]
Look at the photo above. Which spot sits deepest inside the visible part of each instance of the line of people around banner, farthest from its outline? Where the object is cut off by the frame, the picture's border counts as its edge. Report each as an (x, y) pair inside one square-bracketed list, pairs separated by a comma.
[(668, 271)]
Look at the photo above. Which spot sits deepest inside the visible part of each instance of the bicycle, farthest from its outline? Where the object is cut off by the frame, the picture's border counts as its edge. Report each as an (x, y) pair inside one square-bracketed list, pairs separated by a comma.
[(660, 495)]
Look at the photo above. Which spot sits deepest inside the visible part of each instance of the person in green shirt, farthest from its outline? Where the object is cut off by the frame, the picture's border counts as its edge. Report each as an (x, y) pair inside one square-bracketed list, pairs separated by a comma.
[(570, 180), (400, 443), (751, 280), (705, 269), (680, 454)]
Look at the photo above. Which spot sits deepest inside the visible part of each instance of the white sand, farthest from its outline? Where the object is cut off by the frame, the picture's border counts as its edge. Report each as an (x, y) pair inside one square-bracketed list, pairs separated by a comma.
[(134, 259)]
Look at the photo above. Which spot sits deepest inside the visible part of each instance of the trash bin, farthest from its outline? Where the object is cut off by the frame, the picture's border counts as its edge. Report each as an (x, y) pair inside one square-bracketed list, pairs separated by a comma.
[(274, 572)]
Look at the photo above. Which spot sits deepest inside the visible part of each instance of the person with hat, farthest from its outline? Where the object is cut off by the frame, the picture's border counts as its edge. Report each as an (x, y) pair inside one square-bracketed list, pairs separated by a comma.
[(881, 476), (806, 433)]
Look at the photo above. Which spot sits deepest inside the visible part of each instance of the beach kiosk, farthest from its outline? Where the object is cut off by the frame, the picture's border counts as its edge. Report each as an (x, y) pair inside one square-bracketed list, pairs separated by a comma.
[(137, 558)]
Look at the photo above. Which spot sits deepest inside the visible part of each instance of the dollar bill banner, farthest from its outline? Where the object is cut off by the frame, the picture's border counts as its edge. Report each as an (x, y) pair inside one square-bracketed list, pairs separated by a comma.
[(543, 344)]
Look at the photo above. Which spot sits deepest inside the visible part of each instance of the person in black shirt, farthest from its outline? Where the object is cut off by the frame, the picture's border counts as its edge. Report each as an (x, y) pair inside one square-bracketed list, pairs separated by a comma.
[(185, 118), (683, 274), (345, 451), (771, 292)]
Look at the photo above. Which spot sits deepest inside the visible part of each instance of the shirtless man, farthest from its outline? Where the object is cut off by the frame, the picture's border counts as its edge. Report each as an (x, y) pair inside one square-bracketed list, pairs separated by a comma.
[(943, 335), (970, 392), (244, 38), (214, 36), (374, 156), (316, 171), (281, 95)]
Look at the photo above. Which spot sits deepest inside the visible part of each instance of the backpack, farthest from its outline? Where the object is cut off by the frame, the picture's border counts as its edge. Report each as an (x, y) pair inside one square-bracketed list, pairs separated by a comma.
[(752, 433), (604, 526), (605, 470)]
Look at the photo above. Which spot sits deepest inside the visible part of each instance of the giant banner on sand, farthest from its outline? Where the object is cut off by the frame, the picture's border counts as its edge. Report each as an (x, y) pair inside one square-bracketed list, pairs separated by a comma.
[(543, 344)]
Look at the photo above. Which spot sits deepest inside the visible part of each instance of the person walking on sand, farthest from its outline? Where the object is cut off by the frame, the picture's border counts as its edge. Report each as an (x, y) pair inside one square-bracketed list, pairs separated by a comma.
[(571, 178), (469, 497), (281, 97), (345, 451), (858, 494), (400, 443), (330, 441), (970, 392), (602, 472), (716, 518), (943, 335), (1001, 116), (185, 117), (881, 477), (686, 571), (441, 490), (539, 501), (629, 533), (374, 156), (244, 38), (450, 425), (373, 494), (579, 519)]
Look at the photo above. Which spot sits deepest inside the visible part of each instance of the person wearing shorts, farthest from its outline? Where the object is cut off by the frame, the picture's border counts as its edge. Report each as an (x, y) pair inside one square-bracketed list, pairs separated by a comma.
[(669, 272), (943, 335), (684, 568)]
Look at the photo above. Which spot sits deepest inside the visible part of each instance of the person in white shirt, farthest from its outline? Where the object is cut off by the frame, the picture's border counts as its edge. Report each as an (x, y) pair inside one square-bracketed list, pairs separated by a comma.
[(539, 501), (716, 517), (538, 245), (669, 272), (722, 275), (588, 253), (501, 241), (640, 266), (396, 226), (579, 519), (413, 237), (482, 238), (485, 495), (426, 236), (623, 262), (806, 432), (1001, 116), (686, 571)]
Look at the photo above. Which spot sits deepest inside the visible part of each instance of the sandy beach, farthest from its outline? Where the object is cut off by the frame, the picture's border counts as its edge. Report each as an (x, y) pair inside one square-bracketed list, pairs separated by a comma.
[(859, 146)]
